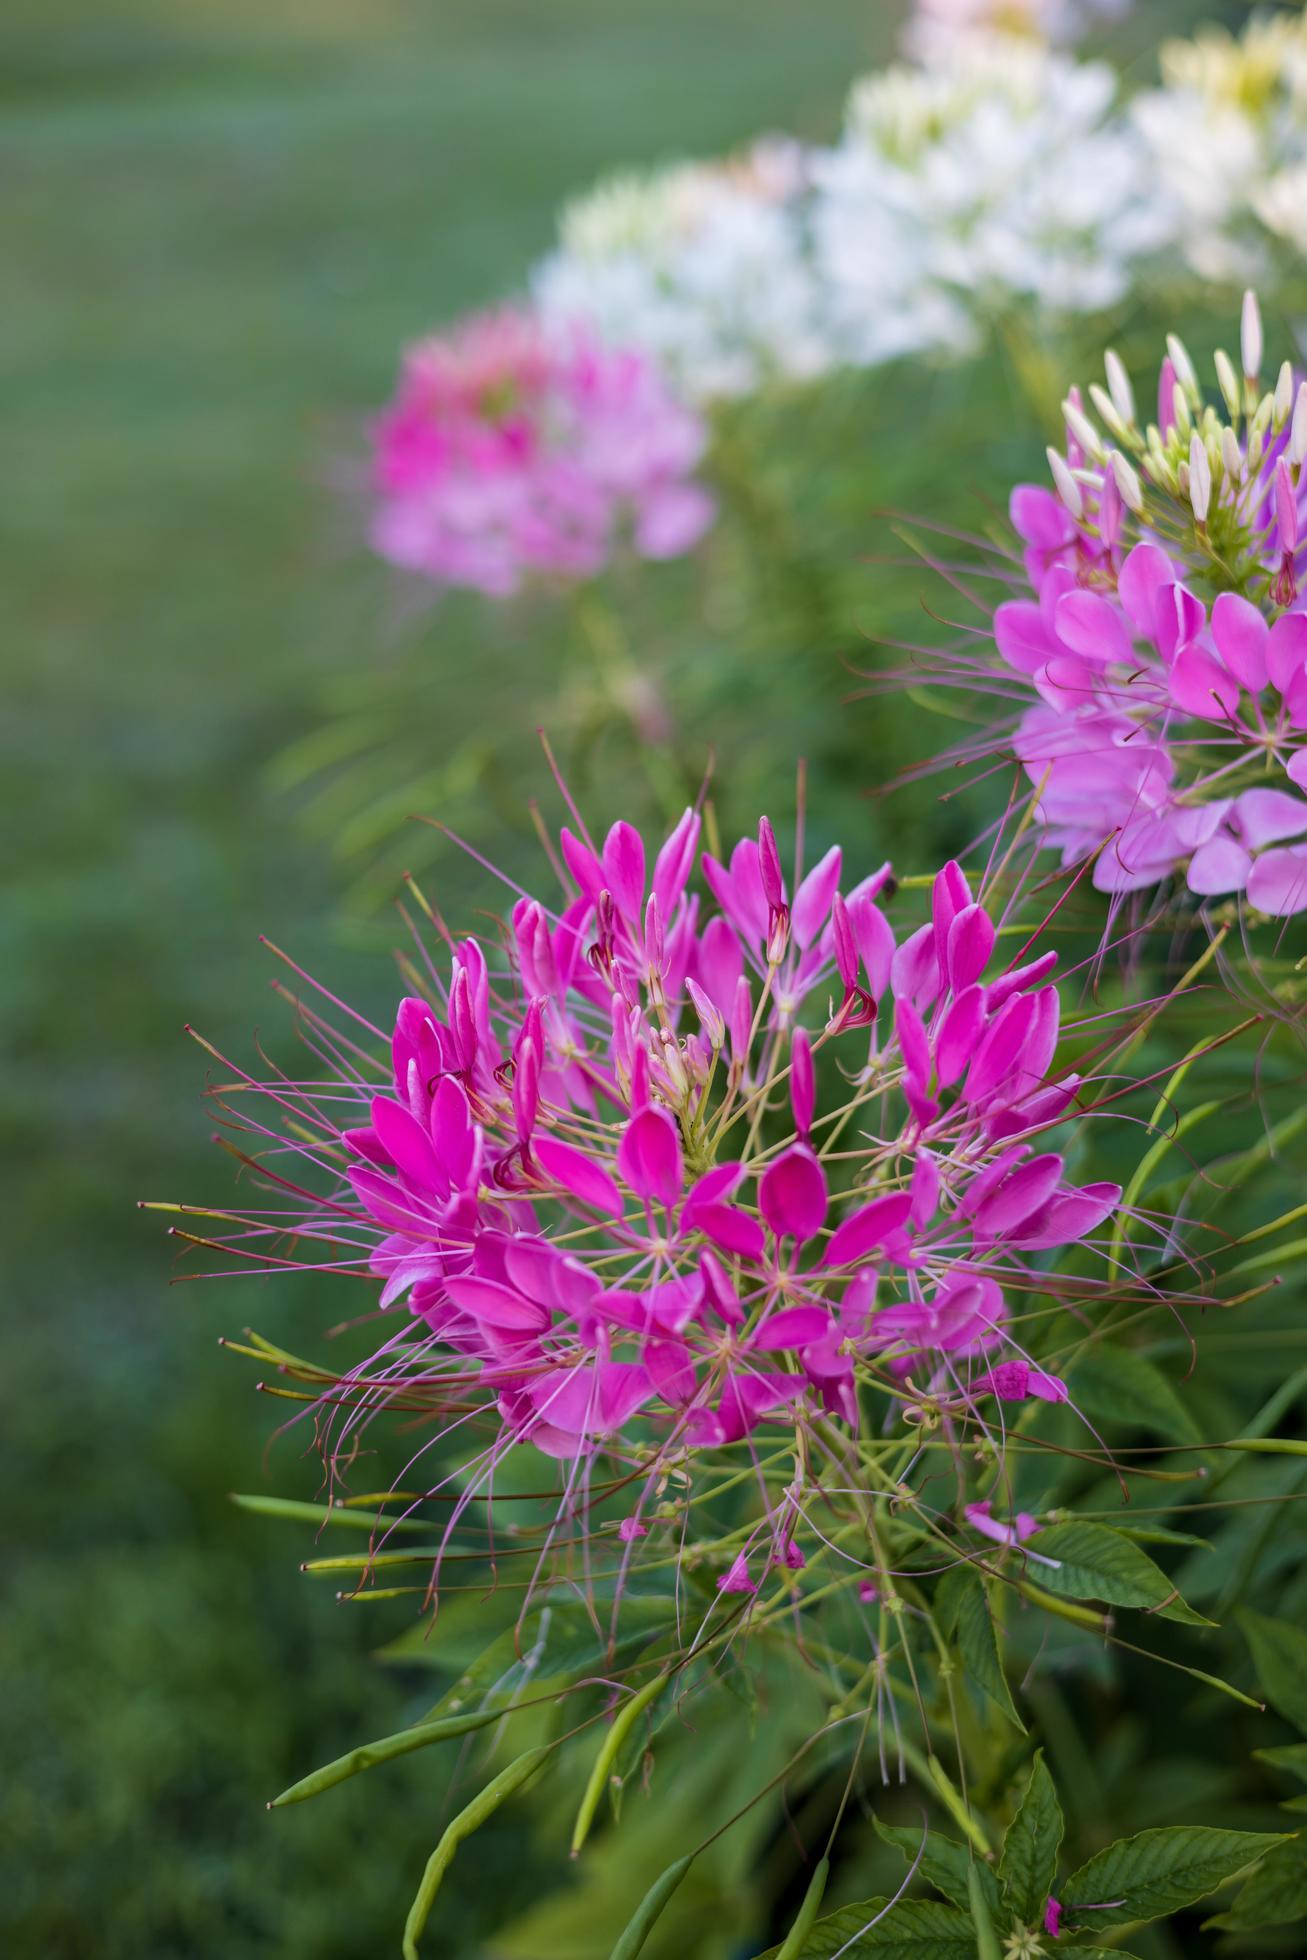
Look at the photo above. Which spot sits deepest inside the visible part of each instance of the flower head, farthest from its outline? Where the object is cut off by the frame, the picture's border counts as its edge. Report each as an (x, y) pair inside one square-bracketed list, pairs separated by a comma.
[(657, 1167), (704, 266), (1166, 641), (1227, 133), (513, 450), (935, 24), (995, 177)]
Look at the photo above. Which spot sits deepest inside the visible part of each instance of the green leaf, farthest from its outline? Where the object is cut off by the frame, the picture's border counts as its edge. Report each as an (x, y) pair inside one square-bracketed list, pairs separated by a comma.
[(1095, 1562), (965, 1616), (1028, 1867), (1158, 1872), (1291, 1758), (1280, 1654), (1276, 1892), (944, 1863), (918, 1929), (1114, 1384)]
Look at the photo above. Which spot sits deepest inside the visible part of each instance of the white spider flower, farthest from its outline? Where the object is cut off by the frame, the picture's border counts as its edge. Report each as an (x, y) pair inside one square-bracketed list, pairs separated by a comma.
[(1228, 136), (998, 177), (701, 265), (935, 24)]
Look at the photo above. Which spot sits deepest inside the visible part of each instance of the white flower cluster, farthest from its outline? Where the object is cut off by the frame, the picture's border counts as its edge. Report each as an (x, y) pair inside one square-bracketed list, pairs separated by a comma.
[(704, 266), (1227, 133), (999, 173), (935, 24)]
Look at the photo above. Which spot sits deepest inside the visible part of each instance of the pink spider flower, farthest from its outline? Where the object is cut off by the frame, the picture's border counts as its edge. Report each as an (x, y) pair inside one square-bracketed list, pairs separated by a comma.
[(667, 1163), (1163, 652), (512, 451)]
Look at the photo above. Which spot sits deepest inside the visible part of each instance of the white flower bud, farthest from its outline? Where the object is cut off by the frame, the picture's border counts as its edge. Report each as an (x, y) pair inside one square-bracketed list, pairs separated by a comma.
[(1250, 337), (1084, 431), (1184, 421), (1283, 394), (1067, 487), (1229, 382), (1231, 456), (1127, 482), (1184, 367), (1118, 383), (1108, 410), (1200, 479), (1298, 433)]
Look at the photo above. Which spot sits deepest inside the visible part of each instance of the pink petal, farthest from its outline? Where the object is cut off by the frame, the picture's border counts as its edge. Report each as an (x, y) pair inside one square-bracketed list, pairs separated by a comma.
[(579, 1174), (407, 1145), (1092, 627), (623, 867), (649, 1156), (1145, 574), (957, 1035), (812, 901), (675, 862), (970, 943), (1021, 1193), (1222, 865), (1269, 816), (1277, 883), (802, 1084), (1021, 636), (792, 1194), (1240, 633), (497, 1306), (730, 1229), (1286, 650), (737, 1580), (793, 1327), (1067, 1217), (872, 1227), (1201, 686)]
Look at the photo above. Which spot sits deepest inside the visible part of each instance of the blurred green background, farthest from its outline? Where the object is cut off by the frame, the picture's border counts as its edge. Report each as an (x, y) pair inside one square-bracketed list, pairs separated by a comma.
[(219, 223)]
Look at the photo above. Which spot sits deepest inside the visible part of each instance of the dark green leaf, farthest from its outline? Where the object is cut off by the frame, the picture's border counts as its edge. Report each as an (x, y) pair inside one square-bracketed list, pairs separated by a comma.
[(1280, 1654), (1276, 1892), (944, 1863), (1158, 1872), (1028, 1867), (1095, 1562), (1114, 1384), (918, 1929), (1291, 1758)]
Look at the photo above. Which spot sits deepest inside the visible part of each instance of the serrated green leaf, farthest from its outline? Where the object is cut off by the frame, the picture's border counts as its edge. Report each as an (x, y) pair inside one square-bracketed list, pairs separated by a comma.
[(1159, 1872), (917, 1929), (943, 1862), (1028, 1867), (1114, 1384), (1092, 1561), (963, 1605), (1280, 1656), (1275, 1894)]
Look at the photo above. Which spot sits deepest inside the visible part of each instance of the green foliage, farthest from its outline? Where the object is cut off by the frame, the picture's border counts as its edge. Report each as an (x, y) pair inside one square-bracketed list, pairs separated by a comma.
[(1028, 1866), (918, 1930), (1094, 1562), (1157, 1873), (1280, 1653)]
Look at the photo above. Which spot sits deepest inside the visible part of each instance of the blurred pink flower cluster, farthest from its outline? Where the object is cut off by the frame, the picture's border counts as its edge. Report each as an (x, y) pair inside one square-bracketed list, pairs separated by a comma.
[(511, 451), (695, 1158)]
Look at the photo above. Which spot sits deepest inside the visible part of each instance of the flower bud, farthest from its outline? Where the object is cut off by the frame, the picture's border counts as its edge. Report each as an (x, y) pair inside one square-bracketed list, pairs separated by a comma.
[(1200, 479), (1067, 487), (1283, 395), (1184, 368), (1126, 478), (1250, 338), (1229, 382), (1231, 455), (1118, 383), (1084, 431), (1108, 410)]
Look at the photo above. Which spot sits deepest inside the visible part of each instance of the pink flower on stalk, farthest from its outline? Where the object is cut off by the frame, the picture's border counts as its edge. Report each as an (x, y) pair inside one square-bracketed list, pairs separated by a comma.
[(981, 1519), (655, 1167), (511, 451), (1165, 644)]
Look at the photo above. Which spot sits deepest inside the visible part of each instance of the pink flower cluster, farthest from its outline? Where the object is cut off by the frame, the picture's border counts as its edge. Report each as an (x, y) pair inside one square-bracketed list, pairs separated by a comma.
[(697, 1160), (1170, 733), (511, 451)]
